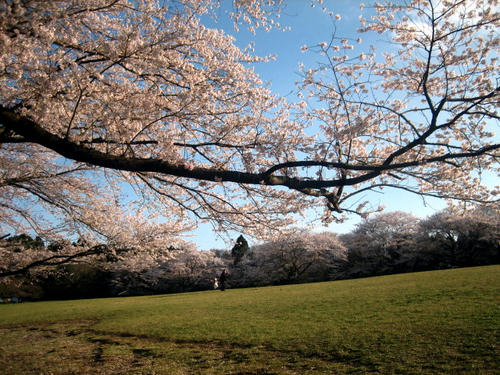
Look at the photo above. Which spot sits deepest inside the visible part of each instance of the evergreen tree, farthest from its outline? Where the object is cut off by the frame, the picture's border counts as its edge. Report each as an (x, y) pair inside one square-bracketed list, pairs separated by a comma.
[(239, 249)]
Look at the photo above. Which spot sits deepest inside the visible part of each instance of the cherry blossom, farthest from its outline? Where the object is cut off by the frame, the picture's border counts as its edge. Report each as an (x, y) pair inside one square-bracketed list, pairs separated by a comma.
[(99, 94)]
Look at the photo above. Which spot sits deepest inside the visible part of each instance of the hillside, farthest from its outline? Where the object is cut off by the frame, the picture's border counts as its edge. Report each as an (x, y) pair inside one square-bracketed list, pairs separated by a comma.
[(439, 322)]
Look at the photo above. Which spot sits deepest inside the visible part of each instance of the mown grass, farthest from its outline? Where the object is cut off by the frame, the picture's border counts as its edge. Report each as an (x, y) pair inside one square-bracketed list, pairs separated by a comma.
[(443, 322)]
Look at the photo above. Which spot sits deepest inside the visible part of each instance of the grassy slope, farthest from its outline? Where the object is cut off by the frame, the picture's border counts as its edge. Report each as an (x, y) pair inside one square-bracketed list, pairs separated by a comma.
[(429, 322)]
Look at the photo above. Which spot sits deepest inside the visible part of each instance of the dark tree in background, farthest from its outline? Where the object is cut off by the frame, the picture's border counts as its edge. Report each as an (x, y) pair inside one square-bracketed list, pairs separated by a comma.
[(239, 249)]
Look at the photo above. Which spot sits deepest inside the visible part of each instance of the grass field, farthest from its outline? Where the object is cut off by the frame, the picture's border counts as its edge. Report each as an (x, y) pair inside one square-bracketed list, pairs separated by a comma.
[(443, 322)]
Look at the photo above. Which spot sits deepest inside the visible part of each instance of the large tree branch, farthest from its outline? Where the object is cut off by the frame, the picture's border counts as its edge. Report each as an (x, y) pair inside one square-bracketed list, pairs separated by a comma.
[(54, 260), (32, 132)]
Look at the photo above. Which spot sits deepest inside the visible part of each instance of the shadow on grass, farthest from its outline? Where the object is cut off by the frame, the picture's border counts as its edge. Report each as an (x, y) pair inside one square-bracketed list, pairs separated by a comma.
[(75, 347)]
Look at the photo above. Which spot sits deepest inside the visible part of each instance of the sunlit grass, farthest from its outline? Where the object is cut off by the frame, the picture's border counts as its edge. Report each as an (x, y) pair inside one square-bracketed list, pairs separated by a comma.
[(424, 323)]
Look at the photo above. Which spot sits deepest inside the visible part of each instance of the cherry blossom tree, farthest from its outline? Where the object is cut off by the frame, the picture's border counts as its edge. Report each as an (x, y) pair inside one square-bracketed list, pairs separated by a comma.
[(420, 116), (188, 269), (131, 243), (453, 237), (142, 272), (379, 243), (141, 93), (298, 257), (151, 83)]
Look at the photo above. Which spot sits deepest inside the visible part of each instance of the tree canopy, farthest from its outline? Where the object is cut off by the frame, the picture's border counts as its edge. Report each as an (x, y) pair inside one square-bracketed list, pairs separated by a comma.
[(100, 93)]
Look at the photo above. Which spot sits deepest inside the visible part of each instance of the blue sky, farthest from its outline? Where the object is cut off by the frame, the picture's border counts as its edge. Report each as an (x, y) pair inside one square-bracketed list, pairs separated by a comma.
[(309, 26)]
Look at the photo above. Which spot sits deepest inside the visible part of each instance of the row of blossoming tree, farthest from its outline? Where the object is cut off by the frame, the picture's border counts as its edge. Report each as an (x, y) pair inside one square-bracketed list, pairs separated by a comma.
[(96, 95), (392, 242)]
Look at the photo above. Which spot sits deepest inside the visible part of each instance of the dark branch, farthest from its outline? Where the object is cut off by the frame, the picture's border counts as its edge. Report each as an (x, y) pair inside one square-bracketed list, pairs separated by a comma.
[(55, 260), (32, 132)]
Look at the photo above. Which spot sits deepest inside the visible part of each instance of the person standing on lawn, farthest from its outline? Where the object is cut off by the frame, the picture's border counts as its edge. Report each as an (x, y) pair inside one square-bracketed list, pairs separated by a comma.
[(222, 280)]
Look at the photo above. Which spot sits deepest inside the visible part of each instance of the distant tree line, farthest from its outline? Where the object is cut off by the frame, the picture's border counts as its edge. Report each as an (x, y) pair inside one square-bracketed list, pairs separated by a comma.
[(394, 242)]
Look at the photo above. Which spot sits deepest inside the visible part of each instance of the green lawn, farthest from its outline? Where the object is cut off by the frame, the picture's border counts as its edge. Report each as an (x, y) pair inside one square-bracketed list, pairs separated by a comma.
[(443, 322)]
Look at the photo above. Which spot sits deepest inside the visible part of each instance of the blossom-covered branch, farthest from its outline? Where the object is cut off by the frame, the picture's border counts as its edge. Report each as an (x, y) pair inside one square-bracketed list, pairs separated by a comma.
[(145, 92)]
